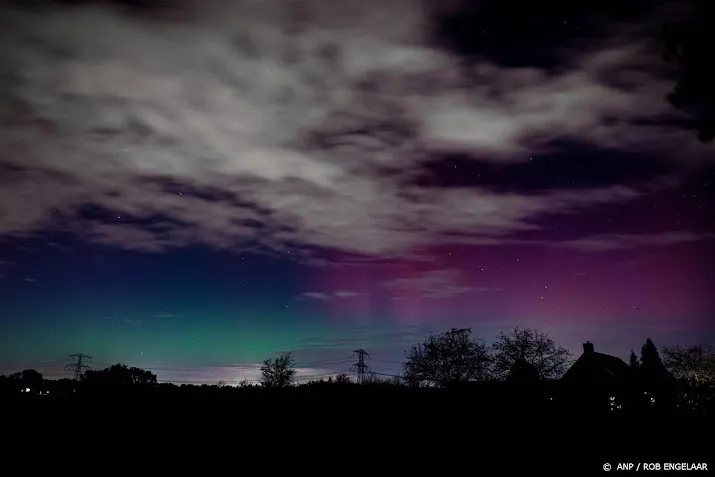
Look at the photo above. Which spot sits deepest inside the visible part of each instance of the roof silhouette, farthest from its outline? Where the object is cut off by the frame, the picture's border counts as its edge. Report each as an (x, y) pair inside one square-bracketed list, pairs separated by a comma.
[(592, 365)]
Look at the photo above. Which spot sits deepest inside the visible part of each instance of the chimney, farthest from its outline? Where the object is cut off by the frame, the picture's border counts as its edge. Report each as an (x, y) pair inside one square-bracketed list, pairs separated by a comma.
[(588, 347)]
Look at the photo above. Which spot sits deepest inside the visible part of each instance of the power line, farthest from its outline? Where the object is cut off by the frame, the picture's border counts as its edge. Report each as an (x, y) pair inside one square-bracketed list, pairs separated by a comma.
[(390, 375), (388, 360), (229, 366), (197, 382), (327, 361), (43, 364)]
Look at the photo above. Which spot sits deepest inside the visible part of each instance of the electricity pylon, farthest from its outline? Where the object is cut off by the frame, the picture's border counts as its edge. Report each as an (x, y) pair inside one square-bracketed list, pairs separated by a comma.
[(78, 367), (360, 366)]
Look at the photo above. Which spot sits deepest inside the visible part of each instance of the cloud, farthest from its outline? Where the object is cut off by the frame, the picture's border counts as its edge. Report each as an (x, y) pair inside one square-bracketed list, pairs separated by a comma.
[(316, 295), (488, 289), (243, 124), (432, 284), (336, 345), (58, 246), (345, 294), (607, 242), (232, 375), (30, 280), (327, 296), (164, 315)]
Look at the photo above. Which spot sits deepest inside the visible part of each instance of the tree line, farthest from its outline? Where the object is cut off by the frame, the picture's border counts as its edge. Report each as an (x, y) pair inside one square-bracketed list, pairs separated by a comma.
[(447, 360)]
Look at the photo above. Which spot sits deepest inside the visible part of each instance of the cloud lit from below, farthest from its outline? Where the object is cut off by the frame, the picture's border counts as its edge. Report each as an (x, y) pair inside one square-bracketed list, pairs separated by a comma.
[(231, 127)]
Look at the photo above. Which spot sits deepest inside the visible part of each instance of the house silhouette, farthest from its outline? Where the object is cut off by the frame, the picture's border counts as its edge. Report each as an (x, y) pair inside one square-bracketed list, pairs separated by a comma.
[(597, 369), (598, 381)]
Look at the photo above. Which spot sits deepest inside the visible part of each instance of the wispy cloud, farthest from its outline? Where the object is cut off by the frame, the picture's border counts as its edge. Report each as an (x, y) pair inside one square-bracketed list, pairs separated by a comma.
[(314, 347), (316, 295), (488, 289), (326, 296), (432, 284), (165, 315), (606, 242), (30, 280), (58, 246), (345, 294), (233, 375)]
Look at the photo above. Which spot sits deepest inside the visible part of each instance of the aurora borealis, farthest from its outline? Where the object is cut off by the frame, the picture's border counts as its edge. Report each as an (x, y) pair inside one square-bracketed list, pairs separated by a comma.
[(193, 188)]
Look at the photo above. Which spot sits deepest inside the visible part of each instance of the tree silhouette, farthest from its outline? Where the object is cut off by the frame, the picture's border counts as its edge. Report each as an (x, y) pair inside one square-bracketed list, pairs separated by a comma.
[(118, 375), (633, 361), (448, 358), (278, 372), (529, 346), (523, 372), (31, 377), (695, 364), (342, 379), (651, 364), (654, 377), (688, 45)]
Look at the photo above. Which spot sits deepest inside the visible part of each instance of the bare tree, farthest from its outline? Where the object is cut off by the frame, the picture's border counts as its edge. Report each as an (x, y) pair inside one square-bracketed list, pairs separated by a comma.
[(342, 379), (448, 358), (372, 378), (695, 363), (278, 372), (523, 345)]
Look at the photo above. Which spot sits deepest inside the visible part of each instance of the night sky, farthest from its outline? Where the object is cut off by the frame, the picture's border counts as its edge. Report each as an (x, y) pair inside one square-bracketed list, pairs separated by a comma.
[(192, 187)]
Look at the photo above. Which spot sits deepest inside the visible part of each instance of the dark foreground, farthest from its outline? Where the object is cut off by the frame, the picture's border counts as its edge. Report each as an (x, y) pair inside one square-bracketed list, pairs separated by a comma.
[(452, 433)]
